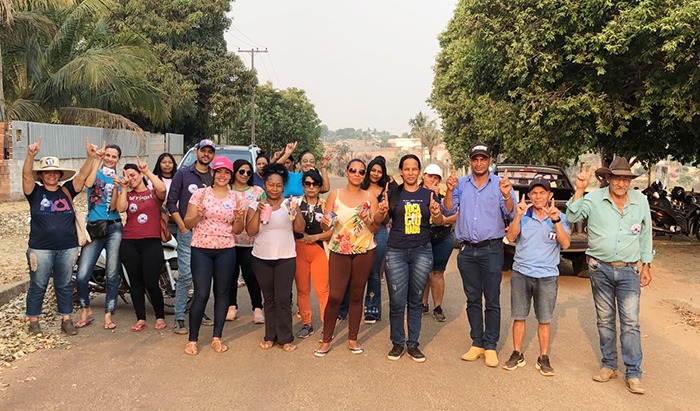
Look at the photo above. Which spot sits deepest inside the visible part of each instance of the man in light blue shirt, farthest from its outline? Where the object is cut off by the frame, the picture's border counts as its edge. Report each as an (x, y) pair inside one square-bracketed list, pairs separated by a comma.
[(483, 201), (539, 231), (619, 239)]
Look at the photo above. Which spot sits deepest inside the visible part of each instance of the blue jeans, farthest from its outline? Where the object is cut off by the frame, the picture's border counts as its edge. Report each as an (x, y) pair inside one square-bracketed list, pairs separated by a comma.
[(618, 287), (407, 273), (373, 298), (480, 269), (211, 265), (184, 273), (43, 264), (88, 257)]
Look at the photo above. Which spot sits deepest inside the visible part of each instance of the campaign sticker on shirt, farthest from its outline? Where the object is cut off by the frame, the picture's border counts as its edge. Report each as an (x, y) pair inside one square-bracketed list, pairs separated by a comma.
[(108, 172), (635, 229), (319, 217), (552, 235), (227, 205), (133, 207), (192, 188), (249, 196), (142, 218)]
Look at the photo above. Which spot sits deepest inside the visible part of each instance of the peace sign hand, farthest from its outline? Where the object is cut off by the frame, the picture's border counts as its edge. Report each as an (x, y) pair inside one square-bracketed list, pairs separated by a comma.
[(583, 177), (383, 206), (434, 207), (505, 185), (290, 147), (90, 149), (101, 152), (522, 206), (452, 180), (201, 210), (33, 148), (143, 167)]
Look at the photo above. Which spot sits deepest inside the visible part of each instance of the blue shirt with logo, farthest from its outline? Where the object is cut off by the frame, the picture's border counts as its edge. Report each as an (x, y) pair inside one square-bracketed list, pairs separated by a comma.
[(536, 248), (100, 195)]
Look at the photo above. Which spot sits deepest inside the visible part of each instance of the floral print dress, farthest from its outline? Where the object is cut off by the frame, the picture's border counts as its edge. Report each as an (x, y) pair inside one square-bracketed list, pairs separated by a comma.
[(350, 234)]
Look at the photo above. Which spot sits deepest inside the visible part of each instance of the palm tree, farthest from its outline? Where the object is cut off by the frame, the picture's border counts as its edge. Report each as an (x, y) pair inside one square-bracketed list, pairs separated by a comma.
[(65, 61), (427, 132)]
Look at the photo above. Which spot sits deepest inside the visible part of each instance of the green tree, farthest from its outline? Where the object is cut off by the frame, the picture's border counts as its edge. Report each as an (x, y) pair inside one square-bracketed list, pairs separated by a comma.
[(210, 87), (546, 80), (283, 116), (425, 130)]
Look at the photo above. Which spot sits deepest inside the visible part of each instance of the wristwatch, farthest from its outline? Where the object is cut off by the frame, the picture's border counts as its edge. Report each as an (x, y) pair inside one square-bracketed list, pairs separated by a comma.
[(558, 220)]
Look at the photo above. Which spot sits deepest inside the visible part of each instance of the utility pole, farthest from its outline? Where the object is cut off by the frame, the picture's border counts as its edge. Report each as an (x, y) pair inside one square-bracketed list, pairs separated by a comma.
[(252, 97)]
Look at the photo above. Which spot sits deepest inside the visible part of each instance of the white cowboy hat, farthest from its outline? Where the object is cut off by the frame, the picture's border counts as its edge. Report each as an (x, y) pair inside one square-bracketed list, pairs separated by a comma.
[(52, 164)]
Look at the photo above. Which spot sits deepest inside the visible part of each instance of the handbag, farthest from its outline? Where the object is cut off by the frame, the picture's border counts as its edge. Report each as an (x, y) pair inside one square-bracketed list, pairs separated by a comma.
[(165, 235), (80, 228), (97, 229)]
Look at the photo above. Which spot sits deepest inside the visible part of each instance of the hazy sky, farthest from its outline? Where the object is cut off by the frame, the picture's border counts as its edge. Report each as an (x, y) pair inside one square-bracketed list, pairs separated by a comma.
[(363, 63)]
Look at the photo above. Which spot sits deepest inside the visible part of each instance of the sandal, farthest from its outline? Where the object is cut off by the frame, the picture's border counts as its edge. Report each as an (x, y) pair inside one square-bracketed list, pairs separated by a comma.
[(191, 348), (266, 345), (160, 325), (109, 325), (320, 353), (139, 326), (289, 347), (218, 346), (84, 323)]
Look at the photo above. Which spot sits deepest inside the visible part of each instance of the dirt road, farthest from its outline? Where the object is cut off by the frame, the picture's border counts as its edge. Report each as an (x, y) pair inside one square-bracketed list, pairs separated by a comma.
[(123, 370)]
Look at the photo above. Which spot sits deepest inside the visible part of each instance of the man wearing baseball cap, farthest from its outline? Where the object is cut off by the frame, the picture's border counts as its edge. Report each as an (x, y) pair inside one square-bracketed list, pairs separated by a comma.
[(619, 239), (185, 182), (539, 231), (482, 200)]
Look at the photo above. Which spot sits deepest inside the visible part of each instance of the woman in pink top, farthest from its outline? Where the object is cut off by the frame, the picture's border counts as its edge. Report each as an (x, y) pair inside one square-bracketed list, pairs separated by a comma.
[(273, 222), (141, 252), (215, 217)]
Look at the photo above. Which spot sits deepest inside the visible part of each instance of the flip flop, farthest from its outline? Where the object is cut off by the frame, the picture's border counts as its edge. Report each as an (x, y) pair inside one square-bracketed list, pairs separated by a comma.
[(191, 348), (160, 326), (110, 325), (84, 323), (266, 345), (356, 350), (138, 327), (289, 347), (218, 346)]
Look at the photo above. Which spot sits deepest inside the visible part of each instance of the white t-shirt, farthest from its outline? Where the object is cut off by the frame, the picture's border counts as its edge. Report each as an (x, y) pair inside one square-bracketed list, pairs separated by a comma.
[(275, 240)]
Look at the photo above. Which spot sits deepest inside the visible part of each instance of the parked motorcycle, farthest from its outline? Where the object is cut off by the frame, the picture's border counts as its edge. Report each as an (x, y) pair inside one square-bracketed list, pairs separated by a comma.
[(166, 280), (670, 220)]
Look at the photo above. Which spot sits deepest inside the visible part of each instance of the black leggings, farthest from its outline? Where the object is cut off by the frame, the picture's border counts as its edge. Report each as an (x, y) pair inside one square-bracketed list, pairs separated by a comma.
[(143, 261), (208, 264), (244, 262), (346, 271), (276, 278)]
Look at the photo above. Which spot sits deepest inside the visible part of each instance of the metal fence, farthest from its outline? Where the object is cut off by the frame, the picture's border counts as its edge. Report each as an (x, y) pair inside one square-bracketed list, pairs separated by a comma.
[(66, 141)]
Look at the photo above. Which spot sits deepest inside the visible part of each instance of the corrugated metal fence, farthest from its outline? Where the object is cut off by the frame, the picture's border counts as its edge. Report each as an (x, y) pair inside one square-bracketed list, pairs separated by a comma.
[(66, 141)]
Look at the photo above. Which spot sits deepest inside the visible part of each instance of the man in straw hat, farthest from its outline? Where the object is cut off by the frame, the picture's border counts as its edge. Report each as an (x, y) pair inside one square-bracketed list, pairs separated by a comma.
[(53, 240), (619, 239)]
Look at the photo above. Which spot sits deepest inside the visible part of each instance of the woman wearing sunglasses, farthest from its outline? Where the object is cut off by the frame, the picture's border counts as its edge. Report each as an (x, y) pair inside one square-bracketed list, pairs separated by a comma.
[(409, 255), (312, 263), (246, 193), (307, 160), (349, 213)]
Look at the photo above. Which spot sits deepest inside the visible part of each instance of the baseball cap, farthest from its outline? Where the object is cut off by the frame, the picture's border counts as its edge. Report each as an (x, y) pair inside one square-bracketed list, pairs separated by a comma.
[(206, 143), (479, 149), (433, 169), (542, 182), (222, 162)]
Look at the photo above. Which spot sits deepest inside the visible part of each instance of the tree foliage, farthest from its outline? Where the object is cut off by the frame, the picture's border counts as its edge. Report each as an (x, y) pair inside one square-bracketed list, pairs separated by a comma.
[(425, 130), (283, 116), (545, 80)]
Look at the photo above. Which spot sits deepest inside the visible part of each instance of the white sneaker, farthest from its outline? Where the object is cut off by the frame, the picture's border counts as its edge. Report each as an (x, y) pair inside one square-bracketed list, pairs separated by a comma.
[(258, 317)]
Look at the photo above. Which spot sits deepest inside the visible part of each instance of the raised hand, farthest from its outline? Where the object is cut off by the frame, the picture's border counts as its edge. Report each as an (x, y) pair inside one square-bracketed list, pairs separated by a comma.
[(383, 206), (238, 215), (434, 207), (90, 149), (552, 210), (101, 152), (290, 147), (583, 177), (201, 210), (33, 148), (505, 185), (143, 167), (452, 180), (522, 206), (325, 160)]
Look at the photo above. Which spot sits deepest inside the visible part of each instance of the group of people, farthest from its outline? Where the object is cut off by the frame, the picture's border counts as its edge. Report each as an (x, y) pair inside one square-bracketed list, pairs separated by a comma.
[(273, 227)]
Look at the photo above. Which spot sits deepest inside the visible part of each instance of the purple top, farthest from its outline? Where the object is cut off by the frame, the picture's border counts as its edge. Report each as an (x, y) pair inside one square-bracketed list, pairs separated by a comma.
[(481, 210)]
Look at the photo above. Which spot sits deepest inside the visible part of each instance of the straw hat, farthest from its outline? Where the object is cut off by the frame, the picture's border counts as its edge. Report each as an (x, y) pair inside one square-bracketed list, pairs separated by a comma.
[(619, 167), (52, 164)]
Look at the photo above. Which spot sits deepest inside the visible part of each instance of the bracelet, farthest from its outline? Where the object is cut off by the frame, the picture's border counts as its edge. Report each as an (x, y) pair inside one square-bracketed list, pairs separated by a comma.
[(556, 221), (507, 198)]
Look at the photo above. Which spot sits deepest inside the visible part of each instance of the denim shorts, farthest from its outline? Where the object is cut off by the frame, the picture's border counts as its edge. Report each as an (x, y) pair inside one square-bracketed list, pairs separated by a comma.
[(442, 250), (524, 289)]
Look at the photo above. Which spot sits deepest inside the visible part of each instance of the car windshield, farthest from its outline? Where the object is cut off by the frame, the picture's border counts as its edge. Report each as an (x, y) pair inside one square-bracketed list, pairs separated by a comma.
[(523, 177), (232, 154)]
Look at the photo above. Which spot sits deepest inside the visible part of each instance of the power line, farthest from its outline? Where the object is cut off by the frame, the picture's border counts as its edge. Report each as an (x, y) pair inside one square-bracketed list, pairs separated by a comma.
[(239, 40), (265, 67), (252, 97), (269, 56), (243, 34)]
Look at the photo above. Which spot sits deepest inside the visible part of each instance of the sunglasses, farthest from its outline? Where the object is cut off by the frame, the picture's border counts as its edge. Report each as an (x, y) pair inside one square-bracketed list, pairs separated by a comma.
[(245, 172), (312, 184), (361, 171)]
